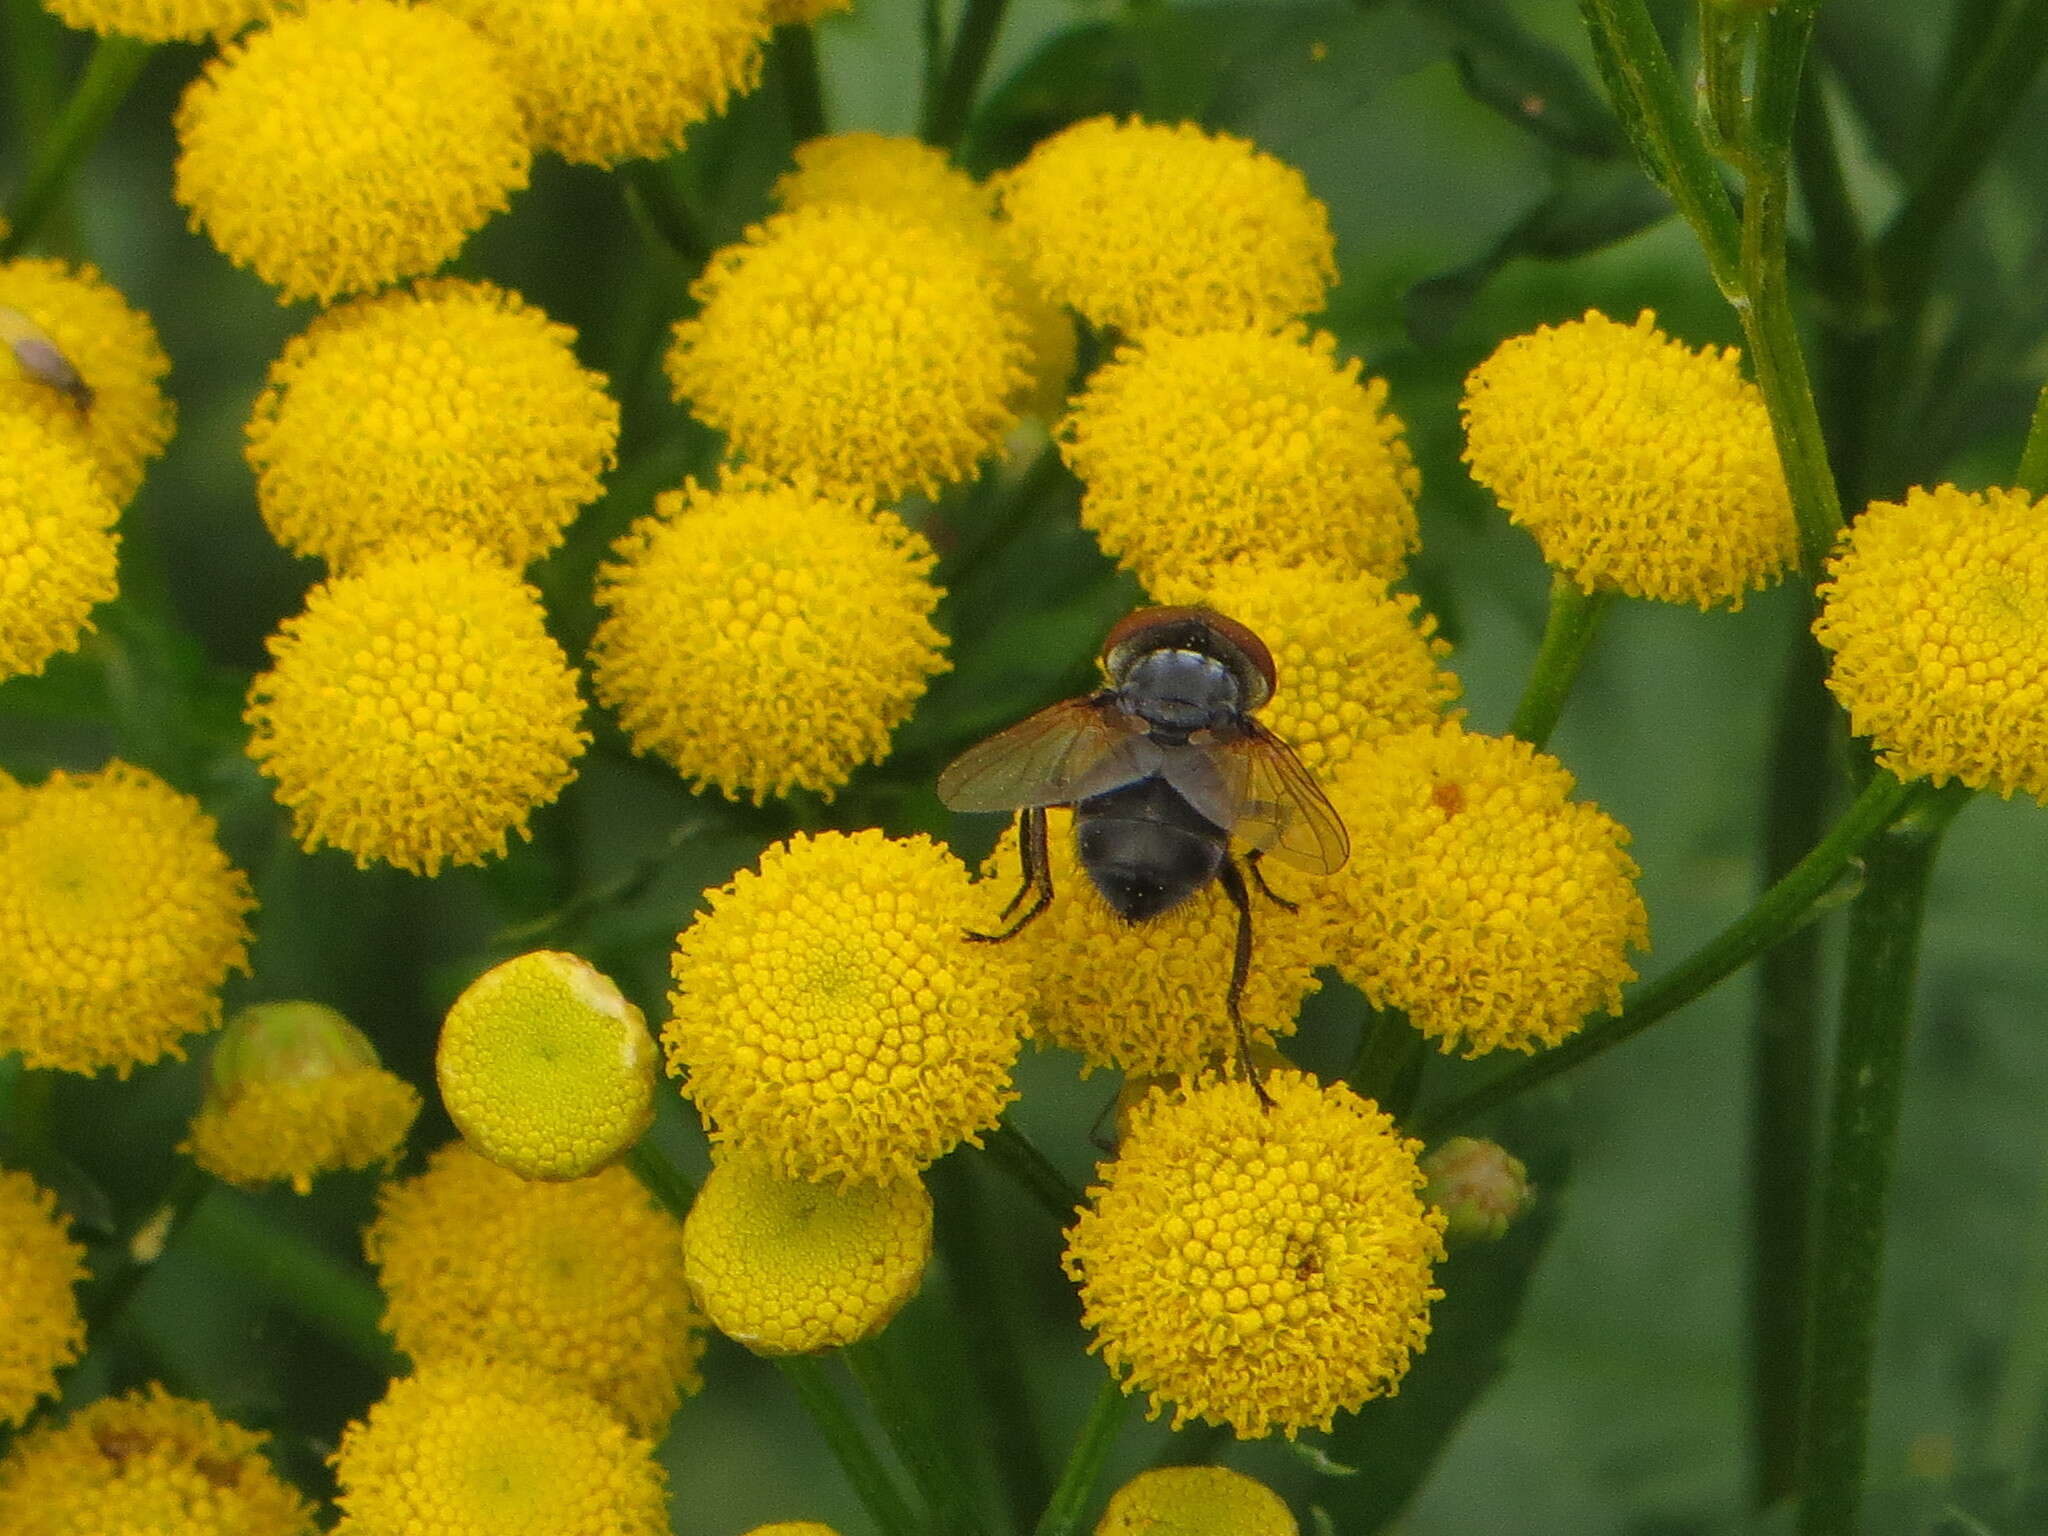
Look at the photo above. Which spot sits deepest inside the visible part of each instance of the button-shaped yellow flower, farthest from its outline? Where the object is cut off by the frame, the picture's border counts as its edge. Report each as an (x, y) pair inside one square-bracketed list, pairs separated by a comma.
[(1936, 609), (161, 21), (349, 146), (40, 1267), (829, 1013), (1258, 1267), (417, 711), (788, 1267), (59, 553), (793, 1528), (1640, 465), (120, 918), (1196, 1501)]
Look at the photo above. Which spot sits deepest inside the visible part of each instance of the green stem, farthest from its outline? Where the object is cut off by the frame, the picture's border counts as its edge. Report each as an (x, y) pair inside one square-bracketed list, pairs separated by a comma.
[(1568, 631), (1870, 1066), (2032, 475), (908, 1418), (796, 60), (996, 527), (109, 75), (1076, 1490), (1725, 34), (2013, 1425), (1387, 1049), (1033, 1172), (662, 1178), (951, 104), (849, 1446), (145, 1243), (1769, 919), (655, 196)]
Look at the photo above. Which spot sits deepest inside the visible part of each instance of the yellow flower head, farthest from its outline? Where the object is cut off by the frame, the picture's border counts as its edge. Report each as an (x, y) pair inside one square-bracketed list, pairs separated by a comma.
[(877, 354), (1639, 464), (161, 21), (830, 1015), (455, 408), (610, 80), (349, 146), (146, 1462), (582, 1279), (1193, 450), (793, 1528), (1356, 662), (418, 710), (545, 1068), (1480, 897), (766, 637), (1150, 997), (495, 1449), (294, 1090), (58, 550), (119, 920), (1261, 1268), (112, 404), (1936, 610), (39, 1267), (1196, 1501), (787, 1267), (1155, 224)]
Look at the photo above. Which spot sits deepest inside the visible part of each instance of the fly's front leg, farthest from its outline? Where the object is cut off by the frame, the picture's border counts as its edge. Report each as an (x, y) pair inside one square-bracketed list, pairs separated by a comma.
[(1034, 855), (1240, 970)]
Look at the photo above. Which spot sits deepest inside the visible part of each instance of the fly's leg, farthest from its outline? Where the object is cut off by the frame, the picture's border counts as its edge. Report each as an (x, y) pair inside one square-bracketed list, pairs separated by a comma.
[(1033, 854), (1251, 862), (1240, 969)]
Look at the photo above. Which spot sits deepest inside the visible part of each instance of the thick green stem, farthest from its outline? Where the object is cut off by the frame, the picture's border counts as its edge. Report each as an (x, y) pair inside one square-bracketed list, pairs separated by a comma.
[(1568, 632), (111, 72), (1774, 915), (1076, 1490), (661, 1178), (1035, 1175), (796, 60), (951, 104), (849, 1445), (1870, 1068), (912, 1422)]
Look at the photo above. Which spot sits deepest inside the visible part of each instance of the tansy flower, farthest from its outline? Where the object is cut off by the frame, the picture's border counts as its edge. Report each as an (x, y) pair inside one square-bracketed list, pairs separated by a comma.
[(1196, 1501), (1153, 224), (793, 1528), (878, 354), (161, 21), (495, 1449), (58, 548), (417, 711), (610, 80), (787, 1267), (1640, 465), (113, 404), (39, 1268), (1260, 1268), (349, 146), (829, 1013), (545, 1068), (146, 1462), (119, 920), (455, 408), (1480, 897), (1936, 609), (294, 1090), (582, 1279), (1151, 998), (1193, 450), (1355, 661), (766, 637)]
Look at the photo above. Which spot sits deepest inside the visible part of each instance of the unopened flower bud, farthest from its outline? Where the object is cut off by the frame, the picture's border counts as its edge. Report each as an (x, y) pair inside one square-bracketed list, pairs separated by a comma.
[(1479, 1187)]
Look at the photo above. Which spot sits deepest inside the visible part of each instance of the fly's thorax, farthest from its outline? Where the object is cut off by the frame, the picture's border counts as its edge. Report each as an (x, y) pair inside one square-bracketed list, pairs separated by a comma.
[(1178, 691)]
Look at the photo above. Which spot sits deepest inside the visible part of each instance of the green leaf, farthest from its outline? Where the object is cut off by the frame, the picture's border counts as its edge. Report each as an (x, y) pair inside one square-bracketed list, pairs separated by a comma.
[(1522, 77)]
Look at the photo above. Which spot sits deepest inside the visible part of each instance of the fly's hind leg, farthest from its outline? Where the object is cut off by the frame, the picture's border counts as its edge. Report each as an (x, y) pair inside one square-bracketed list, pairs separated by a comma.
[(1240, 969), (1033, 855), (1258, 874)]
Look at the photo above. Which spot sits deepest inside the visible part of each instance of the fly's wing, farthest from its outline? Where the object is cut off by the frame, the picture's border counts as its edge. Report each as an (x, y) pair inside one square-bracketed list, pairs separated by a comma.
[(1060, 755), (1281, 811)]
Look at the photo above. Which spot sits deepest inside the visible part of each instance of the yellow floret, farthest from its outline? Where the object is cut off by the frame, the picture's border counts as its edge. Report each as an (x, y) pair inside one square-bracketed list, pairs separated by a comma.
[(793, 1528), (1936, 609), (1194, 450), (40, 1267), (58, 548), (350, 146), (452, 409), (1480, 898), (787, 1267), (545, 1068), (1640, 465), (836, 339), (610, 80), (464, 1449), (766, 637), (120, 918), (830, 1015), (1258, 1267), (417, 711), (1151, 224), (147, 1462), (1196, 1501), (162, 21)]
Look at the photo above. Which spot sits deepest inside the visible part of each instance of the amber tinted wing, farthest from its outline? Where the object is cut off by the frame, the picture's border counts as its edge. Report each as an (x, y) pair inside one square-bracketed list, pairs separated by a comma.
[(1282, 812), (1061, 754)]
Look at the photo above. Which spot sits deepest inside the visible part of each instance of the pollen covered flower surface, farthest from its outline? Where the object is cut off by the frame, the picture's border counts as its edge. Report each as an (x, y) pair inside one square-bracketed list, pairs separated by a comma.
[(1254, 1267), (1936, 610), (1196, 1501), (59, 552), (1481, 898), (120, 918), (1194, 450), (829, 1014), (417, 711), (161, 21), (40, 1267), (454, 408), (1639, 464), (290, 1131), (349, 146)]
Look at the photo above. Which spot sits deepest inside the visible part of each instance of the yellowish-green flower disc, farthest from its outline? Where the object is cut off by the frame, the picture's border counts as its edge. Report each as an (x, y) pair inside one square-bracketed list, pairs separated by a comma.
[(1196, 1501), (40, 1267), (59, 553)]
